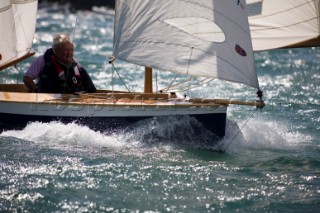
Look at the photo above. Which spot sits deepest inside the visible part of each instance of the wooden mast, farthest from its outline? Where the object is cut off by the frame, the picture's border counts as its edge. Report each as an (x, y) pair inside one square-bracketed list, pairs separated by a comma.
[(148, 80)]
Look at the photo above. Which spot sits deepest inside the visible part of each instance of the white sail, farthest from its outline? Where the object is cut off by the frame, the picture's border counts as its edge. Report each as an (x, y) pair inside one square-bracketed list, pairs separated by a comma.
[(17, 24), (209, 38), (282, 23)]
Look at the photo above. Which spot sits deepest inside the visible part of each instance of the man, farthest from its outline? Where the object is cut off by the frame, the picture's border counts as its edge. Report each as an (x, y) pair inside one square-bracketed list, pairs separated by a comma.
[(58, 71)]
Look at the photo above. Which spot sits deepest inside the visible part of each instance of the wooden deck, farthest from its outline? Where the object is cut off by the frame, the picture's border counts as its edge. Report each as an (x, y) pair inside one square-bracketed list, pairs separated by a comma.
[(19, 93)]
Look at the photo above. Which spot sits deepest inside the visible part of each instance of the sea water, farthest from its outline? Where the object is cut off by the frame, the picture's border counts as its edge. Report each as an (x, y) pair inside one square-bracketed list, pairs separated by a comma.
[(270, 163)]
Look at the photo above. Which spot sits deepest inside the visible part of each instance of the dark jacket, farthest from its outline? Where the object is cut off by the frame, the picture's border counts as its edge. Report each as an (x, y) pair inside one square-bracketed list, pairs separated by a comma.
[(67, 82)]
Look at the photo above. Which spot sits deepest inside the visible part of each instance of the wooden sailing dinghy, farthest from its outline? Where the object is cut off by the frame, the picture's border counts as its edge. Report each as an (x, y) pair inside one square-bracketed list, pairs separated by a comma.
[(210, 39)]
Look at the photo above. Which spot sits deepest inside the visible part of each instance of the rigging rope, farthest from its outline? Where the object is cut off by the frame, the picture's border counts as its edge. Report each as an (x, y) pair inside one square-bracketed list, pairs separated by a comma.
[(20, 21), (234, 137), (168, 87), (75, 24), (115, 69), (186, 88), (205, 81), (157, 81)]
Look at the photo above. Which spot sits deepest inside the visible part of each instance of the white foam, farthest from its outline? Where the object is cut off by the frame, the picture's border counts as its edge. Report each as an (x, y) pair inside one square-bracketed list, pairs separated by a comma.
[(57, 133), (167, 133), (260, 133)]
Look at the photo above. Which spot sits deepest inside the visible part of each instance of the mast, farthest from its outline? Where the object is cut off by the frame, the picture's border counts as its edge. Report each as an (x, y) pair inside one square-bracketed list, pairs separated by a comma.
[(148, 80)]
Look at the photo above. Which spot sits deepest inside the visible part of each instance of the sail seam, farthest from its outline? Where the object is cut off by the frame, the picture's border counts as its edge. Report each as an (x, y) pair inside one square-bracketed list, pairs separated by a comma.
[(5, 8), (282, 27), (189, 60), (241, 73), (217, 12), (293, 8)]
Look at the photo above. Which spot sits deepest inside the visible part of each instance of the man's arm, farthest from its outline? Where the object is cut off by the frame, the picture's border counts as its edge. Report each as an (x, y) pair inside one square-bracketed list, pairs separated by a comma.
[(28, 81), (33, 73)]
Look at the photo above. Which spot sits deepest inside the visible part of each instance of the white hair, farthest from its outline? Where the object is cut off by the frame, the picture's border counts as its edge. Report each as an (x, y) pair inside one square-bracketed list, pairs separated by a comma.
[(60, 39)]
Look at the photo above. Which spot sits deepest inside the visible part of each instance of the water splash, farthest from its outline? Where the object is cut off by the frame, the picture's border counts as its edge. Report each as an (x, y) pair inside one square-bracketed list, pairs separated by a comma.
[(57, 133), (260, 134), (177, 131), (171, 132)]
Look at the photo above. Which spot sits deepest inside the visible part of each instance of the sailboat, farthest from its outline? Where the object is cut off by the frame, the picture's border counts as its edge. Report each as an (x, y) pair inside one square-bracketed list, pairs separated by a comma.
[(284, 24), (209, 39)]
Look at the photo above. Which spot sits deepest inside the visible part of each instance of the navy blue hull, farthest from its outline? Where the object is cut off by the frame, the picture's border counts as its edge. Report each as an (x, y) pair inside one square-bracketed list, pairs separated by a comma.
[(215, 123)]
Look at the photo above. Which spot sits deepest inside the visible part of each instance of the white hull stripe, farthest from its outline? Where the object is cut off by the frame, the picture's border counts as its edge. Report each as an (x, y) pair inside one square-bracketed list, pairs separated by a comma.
[(92, 110)]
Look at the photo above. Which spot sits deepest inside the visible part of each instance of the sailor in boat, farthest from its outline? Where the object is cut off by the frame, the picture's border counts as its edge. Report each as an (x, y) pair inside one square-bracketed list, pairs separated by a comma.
[(58, 71)]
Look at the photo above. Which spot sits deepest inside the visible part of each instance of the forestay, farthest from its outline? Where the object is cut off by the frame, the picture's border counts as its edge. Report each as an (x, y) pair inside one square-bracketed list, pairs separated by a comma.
[(282, 23), (17, 24), (195, 37)]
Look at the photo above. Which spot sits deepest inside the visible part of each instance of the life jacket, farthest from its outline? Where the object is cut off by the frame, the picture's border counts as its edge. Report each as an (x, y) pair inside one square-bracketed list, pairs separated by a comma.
[(57, 78)]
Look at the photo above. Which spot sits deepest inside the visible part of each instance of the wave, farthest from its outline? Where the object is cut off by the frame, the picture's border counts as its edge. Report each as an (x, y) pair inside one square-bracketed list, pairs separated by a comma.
[(173, 132), (57, 133), (261, 133)]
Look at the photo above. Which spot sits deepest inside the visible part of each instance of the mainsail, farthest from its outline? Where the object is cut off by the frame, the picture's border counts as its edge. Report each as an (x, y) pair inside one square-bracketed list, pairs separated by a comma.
[(284, 23), (194, 37), (17, 24)]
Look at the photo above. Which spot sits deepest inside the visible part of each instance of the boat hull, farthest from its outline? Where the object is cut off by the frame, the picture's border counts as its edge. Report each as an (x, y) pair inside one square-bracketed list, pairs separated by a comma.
[(215, 122), (18, 109)]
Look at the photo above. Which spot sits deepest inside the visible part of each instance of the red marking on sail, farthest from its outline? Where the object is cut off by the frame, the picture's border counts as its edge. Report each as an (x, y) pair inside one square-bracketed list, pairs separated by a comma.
[(240, 50)]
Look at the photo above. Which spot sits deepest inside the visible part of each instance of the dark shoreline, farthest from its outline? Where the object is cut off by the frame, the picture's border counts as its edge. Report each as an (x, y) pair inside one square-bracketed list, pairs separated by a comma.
[(83, 4)]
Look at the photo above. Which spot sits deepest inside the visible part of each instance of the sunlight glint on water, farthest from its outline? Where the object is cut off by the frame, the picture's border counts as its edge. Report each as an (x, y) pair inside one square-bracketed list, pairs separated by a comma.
[(271, 163)]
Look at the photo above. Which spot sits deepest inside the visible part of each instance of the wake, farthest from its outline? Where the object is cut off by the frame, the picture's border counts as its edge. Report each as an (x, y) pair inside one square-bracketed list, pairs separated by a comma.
[(176, 132)]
